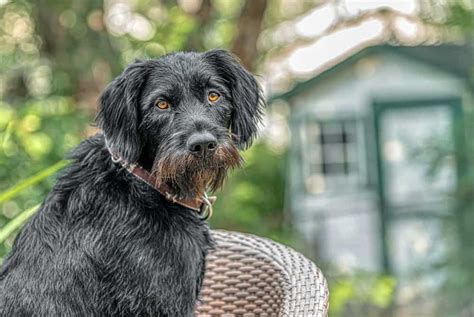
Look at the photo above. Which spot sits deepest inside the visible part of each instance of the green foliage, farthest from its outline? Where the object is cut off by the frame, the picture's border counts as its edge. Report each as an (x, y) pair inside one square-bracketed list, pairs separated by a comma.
[(33, 136), (253, 197), (461, 14), (361, 294), (456, 292), (31, 181), (14, 224)]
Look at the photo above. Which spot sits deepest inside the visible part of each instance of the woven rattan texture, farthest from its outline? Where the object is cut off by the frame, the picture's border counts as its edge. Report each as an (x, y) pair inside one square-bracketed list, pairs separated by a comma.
[(251, 276)]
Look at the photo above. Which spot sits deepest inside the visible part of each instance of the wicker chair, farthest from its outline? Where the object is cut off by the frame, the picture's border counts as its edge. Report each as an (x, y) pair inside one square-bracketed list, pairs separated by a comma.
[(251, 276)]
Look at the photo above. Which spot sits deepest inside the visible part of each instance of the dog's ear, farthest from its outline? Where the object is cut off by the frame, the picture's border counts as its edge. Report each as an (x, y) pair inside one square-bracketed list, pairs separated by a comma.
[(118, 115), (247, 96)]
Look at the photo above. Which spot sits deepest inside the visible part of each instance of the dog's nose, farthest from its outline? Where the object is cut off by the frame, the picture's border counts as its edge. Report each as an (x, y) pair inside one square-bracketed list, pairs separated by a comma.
[(201, 143)]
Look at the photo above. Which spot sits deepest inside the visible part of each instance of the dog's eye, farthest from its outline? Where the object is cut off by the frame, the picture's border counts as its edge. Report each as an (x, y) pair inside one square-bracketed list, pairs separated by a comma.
[(213, 96), (162, 104)]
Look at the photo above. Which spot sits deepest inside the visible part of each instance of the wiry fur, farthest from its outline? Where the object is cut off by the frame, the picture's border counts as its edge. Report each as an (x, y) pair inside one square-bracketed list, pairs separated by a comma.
[(192, 175), (104, 243)]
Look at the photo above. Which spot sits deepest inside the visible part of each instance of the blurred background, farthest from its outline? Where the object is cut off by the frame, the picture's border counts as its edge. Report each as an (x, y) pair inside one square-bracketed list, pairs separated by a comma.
[(366, 157)]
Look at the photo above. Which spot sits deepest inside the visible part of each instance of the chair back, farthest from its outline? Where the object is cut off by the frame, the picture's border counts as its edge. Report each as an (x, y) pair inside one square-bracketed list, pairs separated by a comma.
[(251, 276)]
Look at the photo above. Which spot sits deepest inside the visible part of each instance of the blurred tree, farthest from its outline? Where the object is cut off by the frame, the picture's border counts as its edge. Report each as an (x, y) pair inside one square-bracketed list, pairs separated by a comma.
[(249, 27), (204, 17)]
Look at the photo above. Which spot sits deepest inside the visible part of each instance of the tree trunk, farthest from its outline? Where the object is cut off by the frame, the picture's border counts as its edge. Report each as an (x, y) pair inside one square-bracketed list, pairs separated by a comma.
[(249, 27)]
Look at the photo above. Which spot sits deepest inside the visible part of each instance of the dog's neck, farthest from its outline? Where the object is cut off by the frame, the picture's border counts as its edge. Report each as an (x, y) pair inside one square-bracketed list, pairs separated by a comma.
[(146, 161), (201, 205)]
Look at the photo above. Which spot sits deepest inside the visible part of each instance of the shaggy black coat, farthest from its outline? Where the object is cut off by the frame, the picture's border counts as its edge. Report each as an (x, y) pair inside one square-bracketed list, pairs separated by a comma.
[(104, 243)]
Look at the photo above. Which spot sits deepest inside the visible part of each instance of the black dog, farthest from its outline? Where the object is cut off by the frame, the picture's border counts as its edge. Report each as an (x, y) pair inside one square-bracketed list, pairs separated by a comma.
[(113, 238)]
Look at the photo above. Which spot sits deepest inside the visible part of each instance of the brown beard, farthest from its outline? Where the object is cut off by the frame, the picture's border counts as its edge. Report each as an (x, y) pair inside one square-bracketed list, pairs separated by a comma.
[(191, 176)]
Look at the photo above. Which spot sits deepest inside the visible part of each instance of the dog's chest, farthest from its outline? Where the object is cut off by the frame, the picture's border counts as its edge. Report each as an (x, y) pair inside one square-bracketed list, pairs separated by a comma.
[(156, 266)]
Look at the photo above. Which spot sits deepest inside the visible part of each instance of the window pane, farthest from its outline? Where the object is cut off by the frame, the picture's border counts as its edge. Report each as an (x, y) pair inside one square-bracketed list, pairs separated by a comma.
[(333, 153), (331, 133), (334, 168)]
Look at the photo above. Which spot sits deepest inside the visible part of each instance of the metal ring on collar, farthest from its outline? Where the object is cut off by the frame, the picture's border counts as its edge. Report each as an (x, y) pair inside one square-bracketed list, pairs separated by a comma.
[(206, 209), (115, 159)]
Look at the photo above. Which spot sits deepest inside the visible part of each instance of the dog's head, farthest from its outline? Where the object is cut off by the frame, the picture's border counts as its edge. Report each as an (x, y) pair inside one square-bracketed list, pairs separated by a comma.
[(183, 116)]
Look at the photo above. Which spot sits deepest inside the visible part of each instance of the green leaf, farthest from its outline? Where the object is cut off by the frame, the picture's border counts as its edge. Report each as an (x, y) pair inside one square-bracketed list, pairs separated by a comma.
[(16, 223), (30, 181)]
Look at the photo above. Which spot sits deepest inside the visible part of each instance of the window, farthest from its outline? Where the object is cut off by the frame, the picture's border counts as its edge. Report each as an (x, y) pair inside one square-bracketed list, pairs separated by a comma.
[(330, 155)]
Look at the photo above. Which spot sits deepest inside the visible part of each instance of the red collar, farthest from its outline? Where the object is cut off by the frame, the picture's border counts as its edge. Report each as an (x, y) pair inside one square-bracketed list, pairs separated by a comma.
[(203, 205)]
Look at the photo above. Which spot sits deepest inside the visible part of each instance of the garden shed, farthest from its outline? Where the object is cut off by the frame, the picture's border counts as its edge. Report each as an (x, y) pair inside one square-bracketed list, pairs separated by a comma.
[(365, 187)]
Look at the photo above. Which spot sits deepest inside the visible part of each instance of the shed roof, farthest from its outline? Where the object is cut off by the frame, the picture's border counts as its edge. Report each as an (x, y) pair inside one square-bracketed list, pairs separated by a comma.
[(455, 59)]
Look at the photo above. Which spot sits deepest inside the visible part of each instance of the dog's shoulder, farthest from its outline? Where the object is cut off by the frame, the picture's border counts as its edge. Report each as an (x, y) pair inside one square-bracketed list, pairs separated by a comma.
[(89, 168)]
